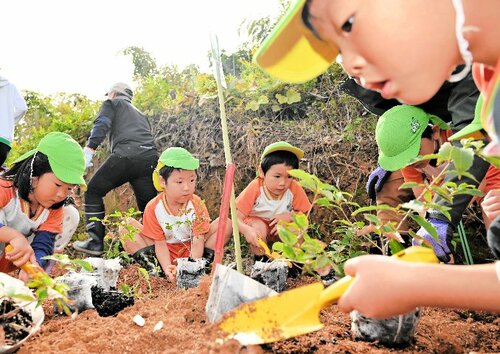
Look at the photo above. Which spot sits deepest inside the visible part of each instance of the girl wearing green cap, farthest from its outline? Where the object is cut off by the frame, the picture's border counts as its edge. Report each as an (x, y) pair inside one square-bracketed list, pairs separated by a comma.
[(176, 222), (272, 196), (32, 194)]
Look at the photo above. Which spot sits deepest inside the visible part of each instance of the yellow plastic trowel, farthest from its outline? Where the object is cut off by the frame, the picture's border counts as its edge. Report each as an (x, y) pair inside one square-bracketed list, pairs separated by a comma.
[(296, 311)]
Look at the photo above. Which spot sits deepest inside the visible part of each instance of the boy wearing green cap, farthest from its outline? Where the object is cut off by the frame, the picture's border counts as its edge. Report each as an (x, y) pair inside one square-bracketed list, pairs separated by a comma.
[(32, 194), (405, 132), (272, 196), (176, 222)]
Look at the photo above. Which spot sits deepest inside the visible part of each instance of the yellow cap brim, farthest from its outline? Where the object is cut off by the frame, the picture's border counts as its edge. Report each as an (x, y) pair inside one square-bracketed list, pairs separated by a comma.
[(292, 53)]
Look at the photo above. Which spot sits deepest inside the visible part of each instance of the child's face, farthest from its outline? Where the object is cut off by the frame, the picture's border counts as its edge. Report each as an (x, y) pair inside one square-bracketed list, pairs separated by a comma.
[(404, 49), (49, 190), (427, 147), (277, 180), (180, 186)]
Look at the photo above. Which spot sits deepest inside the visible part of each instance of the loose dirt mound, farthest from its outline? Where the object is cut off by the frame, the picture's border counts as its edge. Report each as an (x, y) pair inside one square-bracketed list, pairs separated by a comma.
[(186, 330)]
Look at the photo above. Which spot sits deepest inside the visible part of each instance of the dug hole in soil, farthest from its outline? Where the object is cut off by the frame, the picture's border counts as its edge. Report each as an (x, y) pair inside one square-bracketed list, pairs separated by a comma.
[(186, 330)]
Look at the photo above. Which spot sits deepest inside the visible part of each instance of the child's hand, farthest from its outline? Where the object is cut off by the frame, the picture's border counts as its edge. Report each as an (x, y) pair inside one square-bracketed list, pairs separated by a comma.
[(287, 217), (380, 288), (251, 236), (22, 251), (171, 272), (491, 204)]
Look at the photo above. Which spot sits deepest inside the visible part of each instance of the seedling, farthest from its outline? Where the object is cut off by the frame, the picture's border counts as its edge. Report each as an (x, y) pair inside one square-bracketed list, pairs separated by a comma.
[(298, 246), (120, 231)]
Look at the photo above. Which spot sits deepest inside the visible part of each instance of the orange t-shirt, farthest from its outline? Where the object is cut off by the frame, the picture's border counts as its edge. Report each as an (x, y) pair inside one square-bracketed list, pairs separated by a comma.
[(159, 224), (252, 201)]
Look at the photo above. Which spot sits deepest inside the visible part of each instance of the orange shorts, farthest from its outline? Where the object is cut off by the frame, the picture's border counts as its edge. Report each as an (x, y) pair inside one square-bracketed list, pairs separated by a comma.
[(249, 219), (179, 250)]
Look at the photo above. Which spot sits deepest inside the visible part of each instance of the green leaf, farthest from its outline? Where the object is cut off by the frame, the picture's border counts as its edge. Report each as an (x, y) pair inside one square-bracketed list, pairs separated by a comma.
[(372, 218), (263, 100), (288, 237), (426, 225), (323, 202), (409, 185), (321, 262), (414, 204), (84, 264), (313, 246), (292, 96), (281, 99), (462, 159), (372, 207), (278, 246), (395, 246), (252, 105), (289, 252), (301, 220)]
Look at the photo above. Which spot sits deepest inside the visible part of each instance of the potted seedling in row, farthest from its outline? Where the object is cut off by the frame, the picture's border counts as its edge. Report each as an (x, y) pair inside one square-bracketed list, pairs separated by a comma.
[(298, 246), (20, 312), (400, 330), (20, 315)]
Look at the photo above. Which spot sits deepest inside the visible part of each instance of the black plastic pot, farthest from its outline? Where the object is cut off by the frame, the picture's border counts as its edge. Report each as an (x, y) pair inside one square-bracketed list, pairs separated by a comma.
[(109, 302), (396, 331), (189, 272), (273, 274)]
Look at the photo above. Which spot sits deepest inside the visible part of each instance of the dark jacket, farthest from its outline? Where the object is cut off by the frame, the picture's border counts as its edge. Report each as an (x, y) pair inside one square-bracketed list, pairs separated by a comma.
[(128, 128)]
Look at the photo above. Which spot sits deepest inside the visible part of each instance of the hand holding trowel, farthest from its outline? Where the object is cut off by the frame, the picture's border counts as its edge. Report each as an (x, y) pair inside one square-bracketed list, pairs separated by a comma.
[(28, 267), (296, 311)]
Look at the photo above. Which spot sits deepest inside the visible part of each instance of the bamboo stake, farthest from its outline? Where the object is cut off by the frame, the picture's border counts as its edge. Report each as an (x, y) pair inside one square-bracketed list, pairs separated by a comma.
[(221, 83)]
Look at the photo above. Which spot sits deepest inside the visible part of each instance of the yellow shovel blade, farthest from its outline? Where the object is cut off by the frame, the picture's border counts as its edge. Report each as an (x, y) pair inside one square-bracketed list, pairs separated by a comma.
[(296, 311)]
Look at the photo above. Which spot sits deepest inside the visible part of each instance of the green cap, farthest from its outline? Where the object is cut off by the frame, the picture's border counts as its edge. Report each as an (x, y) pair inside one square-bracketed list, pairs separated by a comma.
[(399, 135), (66, 157), (175, 157), (475, 125), (282, 146)]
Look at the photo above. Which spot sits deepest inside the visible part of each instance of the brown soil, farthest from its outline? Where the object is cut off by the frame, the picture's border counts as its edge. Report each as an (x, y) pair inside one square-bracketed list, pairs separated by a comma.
[(186, 329)]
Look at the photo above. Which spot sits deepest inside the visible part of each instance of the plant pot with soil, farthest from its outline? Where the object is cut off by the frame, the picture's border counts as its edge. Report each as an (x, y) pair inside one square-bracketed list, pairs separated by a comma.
[(397, 331), (189, 272), (20, 317), (272, 274), (109, 302)]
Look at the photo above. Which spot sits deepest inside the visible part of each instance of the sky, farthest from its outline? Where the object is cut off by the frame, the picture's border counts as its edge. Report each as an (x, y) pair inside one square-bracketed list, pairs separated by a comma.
[(74, 46)]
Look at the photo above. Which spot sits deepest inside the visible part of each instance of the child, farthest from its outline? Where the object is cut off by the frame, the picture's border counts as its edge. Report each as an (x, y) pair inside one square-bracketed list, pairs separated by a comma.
[(403, 133), (176, 222), (405, 53), (272, 196), (32, 194)]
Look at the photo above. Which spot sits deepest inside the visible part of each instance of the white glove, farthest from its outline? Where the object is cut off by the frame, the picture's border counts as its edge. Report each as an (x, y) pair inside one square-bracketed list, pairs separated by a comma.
[(89, 153)]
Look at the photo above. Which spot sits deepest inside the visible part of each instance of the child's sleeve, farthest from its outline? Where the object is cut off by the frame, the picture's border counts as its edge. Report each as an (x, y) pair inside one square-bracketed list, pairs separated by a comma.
[(411, 174), (152, 228), (247, 198), (6, 193), (54, 222), (201, 223), (43, 245), (300, 201)]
